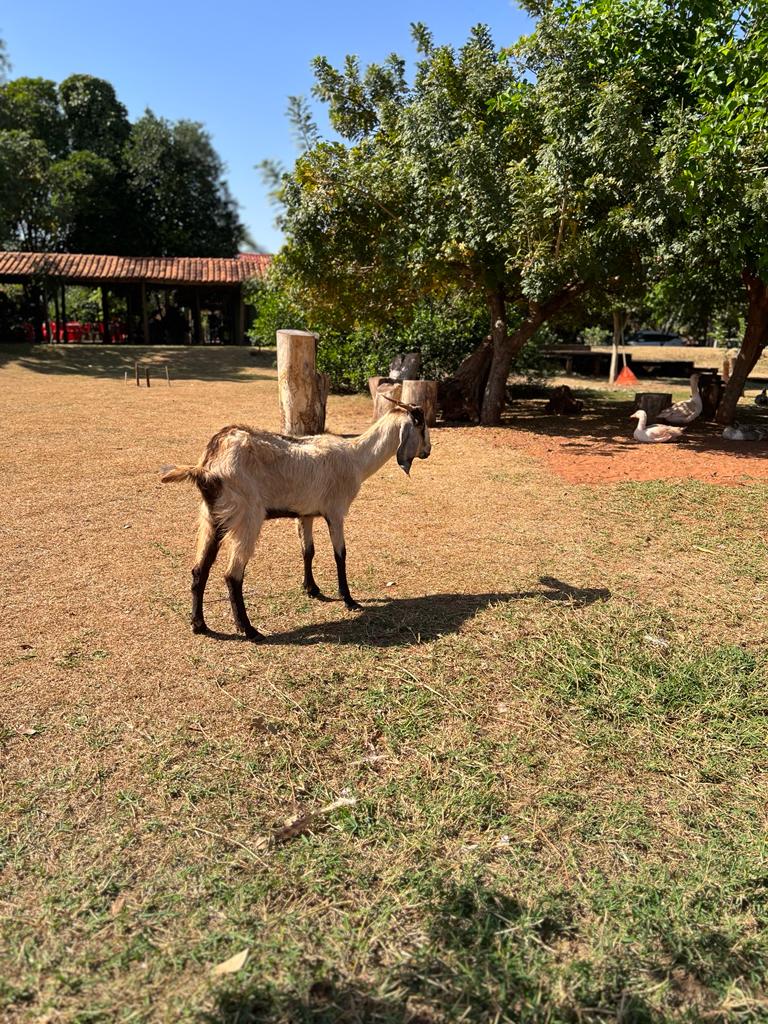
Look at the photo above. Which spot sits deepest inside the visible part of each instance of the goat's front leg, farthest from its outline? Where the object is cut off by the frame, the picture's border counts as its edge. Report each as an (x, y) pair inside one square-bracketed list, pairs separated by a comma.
[(336, 530), (242, 540), (304, 527)]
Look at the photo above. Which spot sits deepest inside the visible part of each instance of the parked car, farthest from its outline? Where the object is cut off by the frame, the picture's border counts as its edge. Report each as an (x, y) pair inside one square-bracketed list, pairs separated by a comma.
[(649, 337)]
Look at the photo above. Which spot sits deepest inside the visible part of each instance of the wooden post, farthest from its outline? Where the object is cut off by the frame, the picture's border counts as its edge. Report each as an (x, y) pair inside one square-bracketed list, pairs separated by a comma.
[(147, 373), (167, 375), (138, 379), (197, 333), (424, 394), (653, 402), (57, 315), (383, 392), (144, 315), (107, 336), (240, 319), (302, 391), (65, 335)]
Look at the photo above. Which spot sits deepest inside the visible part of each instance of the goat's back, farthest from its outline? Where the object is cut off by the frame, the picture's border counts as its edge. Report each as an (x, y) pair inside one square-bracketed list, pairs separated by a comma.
[(301, 475)]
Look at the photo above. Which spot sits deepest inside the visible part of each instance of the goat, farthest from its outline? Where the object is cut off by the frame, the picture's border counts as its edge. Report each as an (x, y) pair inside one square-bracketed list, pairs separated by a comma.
[(246, 476)]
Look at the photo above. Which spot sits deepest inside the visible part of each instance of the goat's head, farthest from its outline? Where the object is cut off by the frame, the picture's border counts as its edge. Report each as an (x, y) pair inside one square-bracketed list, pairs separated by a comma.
[(414, 435)]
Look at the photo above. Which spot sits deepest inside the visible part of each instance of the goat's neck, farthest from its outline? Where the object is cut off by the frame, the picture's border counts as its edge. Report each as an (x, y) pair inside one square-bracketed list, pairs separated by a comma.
[(377, 445)]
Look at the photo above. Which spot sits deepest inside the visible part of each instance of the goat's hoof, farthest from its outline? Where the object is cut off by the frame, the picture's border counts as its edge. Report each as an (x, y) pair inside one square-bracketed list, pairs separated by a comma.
[(251, 633), (199, 627), (353, 606)]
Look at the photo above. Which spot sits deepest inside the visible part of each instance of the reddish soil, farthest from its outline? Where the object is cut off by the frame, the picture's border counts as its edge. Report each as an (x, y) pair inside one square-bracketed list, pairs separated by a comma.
[(593, 449)]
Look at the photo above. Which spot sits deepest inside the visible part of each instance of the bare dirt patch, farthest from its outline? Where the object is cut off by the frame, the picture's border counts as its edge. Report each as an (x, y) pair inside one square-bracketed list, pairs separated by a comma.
[(553, 692), (598, 447)]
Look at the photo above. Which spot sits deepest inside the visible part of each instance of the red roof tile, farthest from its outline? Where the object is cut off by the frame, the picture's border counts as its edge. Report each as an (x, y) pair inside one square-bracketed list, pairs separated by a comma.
[(154, 270)]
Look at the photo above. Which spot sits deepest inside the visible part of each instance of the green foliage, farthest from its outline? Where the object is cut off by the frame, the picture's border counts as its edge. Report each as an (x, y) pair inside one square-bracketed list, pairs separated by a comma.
[(32, 105), (96, 120), (76, 175), (24, 208), (442, 330)]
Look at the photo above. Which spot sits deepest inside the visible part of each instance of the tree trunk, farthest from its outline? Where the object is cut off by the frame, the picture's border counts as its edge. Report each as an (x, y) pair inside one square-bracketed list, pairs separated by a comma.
[(424, 394), (506, 346), (301, 389), (495, 393), (460, 396), (755, 339), (619, 323)]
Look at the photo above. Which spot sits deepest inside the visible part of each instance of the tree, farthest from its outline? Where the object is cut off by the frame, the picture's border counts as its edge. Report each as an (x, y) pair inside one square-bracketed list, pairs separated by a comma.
[(465, 178), (25, 214), (183, 204), (718, 155), (95, 119), (32, 105), (5, 63), (85, 203)]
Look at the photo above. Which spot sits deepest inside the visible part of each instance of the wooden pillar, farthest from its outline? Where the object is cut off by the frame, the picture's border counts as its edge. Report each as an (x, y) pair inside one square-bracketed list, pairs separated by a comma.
[(107, 336), (37, 305), (424, 394), (302, 391), (57, 315), (240, 316), (65, 335), (144, 314), (197, 329)]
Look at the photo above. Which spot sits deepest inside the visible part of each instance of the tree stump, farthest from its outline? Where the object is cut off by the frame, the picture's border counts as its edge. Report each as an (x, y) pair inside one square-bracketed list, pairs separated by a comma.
[(711, 391), (380, 404), (461, 396), (653, 402), (302, 391), (424, 394), (406, 367)]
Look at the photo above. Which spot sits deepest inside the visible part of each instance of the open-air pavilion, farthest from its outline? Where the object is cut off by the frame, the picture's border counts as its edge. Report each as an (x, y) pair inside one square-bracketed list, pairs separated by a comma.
[(171, 300)]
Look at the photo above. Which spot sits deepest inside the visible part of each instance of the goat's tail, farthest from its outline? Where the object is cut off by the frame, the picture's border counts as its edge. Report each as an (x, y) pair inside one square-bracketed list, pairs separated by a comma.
[(207, 483), (174, 474)]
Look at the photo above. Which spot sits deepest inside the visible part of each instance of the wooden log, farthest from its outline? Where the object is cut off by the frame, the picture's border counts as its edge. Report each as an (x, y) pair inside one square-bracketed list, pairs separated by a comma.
[(424, 394), (380, 404), (653, 402), (406, 367), (461, 396), (302, 391), (373, 384)]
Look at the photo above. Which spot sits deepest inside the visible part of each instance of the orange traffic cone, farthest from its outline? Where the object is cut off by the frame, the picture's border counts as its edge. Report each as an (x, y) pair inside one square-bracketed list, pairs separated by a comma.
[(626, 378)]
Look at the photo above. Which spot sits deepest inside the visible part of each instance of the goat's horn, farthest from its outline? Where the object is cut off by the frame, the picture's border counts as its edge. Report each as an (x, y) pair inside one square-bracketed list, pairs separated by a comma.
[(401, 405)]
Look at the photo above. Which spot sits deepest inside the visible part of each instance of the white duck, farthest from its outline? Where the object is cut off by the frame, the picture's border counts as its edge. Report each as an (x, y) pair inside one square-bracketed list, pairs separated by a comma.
[(745, 433), (655, 434), (684, 412)]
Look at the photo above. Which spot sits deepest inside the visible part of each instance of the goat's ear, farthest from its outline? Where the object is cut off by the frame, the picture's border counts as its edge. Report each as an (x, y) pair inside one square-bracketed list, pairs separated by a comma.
[(409, 445)]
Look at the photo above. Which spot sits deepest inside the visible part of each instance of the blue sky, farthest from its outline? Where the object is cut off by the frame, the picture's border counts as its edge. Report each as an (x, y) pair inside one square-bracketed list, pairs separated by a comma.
[(230, 65)]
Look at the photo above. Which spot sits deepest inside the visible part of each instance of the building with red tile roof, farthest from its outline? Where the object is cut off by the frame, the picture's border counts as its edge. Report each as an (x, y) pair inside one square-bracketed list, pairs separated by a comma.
[(197, 283)]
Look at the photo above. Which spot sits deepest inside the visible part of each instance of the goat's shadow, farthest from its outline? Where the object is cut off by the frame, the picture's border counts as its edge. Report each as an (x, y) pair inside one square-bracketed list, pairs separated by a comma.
[(400, 622)]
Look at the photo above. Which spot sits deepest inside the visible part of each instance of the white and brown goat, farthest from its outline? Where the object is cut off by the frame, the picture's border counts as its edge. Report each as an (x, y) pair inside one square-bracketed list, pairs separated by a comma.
[(246, 476)]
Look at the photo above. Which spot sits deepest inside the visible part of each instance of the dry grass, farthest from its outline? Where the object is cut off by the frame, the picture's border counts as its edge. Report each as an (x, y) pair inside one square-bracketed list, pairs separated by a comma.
[(550, 714)]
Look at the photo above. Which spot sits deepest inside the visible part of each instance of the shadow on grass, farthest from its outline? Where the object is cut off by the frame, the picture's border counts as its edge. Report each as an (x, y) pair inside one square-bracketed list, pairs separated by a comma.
[(404, 621), (205, 362), (605, 429), (484, 957)]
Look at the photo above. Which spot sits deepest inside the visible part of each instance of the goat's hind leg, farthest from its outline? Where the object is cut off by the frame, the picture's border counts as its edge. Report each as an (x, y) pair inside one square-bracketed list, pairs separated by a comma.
[(208, 542), (336, 530), (304, 528), (241, 539)]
